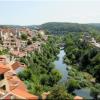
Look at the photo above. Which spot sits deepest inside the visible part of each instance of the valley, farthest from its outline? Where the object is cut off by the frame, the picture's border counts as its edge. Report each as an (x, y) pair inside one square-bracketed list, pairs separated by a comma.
[(50, 65)]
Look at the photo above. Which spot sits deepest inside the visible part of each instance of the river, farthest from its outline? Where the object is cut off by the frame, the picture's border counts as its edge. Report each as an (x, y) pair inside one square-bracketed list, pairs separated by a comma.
[(59, 65)]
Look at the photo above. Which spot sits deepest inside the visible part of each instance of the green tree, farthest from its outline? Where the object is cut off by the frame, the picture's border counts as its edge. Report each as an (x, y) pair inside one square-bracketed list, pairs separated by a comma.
[(34, 38), (55, 76), (72, 84), (29, 42), (95, 91), (58, 93), (24, 36)]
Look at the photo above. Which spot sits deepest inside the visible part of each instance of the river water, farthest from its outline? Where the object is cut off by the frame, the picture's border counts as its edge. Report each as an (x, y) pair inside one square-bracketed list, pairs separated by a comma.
[(59, 65)]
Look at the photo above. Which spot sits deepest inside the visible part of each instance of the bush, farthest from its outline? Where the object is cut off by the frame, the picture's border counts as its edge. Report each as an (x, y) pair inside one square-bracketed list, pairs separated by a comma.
[(34, 38), (95, 91), (29, 42), (72, 84), (58, 93), (23, 36)]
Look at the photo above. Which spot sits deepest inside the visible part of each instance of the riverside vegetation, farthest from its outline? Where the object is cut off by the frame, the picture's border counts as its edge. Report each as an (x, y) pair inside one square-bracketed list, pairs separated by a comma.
[(85, 61), (41, 76)]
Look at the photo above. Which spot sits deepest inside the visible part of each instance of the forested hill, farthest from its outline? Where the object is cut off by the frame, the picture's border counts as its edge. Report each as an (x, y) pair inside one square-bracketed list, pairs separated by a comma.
[(10, 26), (95, 25), (60, 27)]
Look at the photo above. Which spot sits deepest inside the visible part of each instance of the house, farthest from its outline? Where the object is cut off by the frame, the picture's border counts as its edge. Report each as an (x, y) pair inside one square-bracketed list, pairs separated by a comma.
[(78, 98), (45, 94), (11, 87), (23, 44), (18, 66), (8, 38), (2, 60), (45, 37), (41, 32), (3, 69), (17, 88), (18, 53), (86, 37), (27, 31)]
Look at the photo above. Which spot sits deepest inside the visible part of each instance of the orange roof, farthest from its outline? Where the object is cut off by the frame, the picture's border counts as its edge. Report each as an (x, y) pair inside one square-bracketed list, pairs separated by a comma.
[(78, 98), (14, 82), (18, 88), (17, 64), (24, 94), (3, 68)]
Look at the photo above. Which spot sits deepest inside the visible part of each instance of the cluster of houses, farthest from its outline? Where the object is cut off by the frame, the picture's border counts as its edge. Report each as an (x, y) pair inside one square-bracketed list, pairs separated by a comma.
[(86, 37), (11, 39), (11, 87)]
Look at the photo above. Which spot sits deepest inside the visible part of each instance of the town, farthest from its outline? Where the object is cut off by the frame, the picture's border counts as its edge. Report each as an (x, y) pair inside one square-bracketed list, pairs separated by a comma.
[(50, 49), (17, 43)]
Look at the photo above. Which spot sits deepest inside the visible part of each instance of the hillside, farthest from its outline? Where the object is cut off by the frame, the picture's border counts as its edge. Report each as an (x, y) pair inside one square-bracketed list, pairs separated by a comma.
[(60, 28), (95, 25)]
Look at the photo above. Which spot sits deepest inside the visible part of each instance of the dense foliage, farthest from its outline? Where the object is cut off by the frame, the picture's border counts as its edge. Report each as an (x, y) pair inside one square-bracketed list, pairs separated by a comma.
[(78, 79), (85, 61), (80, 52), (24, 36), (95, 91), (40, 75), (62, 28), (59, 93), (3, 52)]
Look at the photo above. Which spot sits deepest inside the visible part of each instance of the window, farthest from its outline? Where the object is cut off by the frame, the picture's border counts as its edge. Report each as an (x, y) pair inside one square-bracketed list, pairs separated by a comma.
[(3, 87), (1, 77)]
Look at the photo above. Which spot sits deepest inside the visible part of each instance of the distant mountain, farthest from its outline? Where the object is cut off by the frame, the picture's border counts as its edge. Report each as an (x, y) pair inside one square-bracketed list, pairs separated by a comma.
[(10, 26), (33, 26), (95, 25), (61, 28)]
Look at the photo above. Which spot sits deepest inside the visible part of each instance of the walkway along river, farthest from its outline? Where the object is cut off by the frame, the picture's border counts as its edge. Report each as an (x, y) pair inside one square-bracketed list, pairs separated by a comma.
[(59, 65)]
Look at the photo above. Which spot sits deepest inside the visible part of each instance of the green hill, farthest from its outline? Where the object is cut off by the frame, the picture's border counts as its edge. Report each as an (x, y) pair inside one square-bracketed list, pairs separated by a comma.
[(61, 28)]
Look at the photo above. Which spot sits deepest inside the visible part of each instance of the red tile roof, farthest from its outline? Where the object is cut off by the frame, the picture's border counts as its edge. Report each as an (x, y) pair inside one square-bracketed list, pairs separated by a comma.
[(78, 98), (2, 60), (17, 64), (23, 94), (3, 68), (15, 86), (18, 88), (15, 83)]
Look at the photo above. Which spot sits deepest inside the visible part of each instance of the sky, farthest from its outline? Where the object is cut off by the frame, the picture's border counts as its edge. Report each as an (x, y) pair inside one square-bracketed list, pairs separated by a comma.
[(35, 12)]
